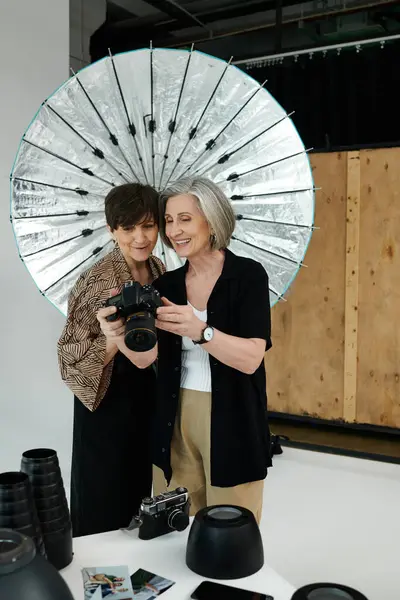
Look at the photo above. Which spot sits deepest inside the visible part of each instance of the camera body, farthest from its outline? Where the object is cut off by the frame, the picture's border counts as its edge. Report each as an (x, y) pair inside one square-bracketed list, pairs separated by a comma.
[(162, 514), (137, 304)]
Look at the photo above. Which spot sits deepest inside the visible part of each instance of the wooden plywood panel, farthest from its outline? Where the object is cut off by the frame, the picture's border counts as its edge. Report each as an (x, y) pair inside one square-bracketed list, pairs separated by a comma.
[(306, 364), (351, 289), (378, 395)]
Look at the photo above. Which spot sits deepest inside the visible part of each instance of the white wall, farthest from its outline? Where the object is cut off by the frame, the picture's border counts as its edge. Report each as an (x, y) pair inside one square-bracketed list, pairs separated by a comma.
[(35, 406)]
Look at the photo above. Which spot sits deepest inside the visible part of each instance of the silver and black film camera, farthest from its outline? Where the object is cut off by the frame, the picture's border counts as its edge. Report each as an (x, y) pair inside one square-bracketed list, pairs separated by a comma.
[(162, 514)]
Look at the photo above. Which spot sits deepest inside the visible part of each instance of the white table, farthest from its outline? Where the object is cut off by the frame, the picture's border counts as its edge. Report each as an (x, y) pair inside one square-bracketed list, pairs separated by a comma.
[(164, 556)]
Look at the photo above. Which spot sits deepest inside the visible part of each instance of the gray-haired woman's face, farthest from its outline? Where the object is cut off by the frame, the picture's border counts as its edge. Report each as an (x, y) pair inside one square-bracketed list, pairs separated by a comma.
[(186, 227)]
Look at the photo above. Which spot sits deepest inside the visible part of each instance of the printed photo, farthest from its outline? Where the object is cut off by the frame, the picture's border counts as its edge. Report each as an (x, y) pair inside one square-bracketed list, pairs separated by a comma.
[(148, 586), (113, 583)]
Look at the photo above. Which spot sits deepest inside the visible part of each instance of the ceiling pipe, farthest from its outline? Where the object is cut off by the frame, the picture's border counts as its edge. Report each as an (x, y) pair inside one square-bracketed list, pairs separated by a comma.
[(356, 44)]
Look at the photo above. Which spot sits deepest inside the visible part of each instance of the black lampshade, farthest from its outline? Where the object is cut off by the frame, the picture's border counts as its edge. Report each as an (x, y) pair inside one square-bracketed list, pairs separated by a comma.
[(25, 575), (327, 591), (224, 543)]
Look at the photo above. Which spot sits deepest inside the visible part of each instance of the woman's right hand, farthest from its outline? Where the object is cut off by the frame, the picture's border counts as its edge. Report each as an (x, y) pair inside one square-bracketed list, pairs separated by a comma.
[(113, 330)]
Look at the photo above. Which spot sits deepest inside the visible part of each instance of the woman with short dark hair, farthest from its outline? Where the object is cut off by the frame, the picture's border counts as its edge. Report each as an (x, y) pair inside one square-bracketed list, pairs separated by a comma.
[(113, 387)]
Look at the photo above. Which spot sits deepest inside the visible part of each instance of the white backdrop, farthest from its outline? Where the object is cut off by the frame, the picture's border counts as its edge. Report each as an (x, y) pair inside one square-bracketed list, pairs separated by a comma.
[(35, 406)]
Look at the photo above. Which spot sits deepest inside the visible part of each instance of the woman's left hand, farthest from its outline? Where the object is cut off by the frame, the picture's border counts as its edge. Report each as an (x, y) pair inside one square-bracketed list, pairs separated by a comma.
[(179, 319)]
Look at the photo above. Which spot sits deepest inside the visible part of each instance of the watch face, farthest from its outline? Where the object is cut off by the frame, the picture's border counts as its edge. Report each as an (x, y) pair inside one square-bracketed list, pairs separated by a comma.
[(208, 334)]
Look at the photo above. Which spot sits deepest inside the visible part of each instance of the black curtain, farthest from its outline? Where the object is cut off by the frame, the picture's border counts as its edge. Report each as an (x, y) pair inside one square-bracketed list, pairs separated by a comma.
[(350, 99)]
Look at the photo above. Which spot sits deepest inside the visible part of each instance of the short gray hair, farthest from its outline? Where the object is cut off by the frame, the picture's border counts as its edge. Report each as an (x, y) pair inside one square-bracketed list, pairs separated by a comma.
[(212, 202)]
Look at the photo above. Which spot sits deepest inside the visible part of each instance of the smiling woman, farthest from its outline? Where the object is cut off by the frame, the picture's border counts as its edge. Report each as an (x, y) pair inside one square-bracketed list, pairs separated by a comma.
[(132, 223), (211, 430), (113, 387), (193, 222)]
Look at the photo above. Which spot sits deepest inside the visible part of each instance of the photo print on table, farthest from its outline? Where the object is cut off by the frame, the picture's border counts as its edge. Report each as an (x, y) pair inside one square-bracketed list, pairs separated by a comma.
[(148, 586), (107, 582)]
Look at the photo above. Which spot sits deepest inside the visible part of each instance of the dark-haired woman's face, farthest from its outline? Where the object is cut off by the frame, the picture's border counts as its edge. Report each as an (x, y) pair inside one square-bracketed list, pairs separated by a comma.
[(137, 242)]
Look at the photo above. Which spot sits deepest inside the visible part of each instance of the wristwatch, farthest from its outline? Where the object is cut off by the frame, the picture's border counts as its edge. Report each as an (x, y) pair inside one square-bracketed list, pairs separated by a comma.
[(206, 335)]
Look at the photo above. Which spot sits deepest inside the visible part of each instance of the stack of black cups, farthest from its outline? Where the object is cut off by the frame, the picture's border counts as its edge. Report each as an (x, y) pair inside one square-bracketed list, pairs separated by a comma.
[(43, 469), (18, 509), (33, 502)]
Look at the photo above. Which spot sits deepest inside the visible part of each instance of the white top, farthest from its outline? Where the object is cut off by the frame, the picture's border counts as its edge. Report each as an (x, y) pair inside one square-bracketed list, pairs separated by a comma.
[(163, 556), (196, 372)]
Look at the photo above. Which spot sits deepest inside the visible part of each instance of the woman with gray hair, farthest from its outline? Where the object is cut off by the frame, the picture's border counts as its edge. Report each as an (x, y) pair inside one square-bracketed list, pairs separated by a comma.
[(211, 430)]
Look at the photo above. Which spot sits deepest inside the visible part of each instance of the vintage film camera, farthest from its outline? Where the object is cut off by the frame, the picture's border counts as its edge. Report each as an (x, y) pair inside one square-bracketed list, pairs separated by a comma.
[(162, 514), (138, 305)]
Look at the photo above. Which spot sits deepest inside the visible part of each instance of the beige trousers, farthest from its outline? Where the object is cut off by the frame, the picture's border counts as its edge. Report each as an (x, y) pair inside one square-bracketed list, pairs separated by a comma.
[(190, 460)]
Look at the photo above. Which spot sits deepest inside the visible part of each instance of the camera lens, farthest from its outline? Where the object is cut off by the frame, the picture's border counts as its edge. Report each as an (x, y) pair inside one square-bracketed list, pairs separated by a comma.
[(140, 332), (178, 520)]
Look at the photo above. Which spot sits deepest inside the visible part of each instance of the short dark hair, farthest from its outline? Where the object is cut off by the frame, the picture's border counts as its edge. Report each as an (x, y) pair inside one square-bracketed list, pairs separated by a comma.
[(129, 204)]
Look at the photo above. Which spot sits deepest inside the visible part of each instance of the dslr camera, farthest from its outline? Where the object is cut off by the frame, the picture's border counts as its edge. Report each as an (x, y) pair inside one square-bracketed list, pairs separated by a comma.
[(162, 514), (138, 305)]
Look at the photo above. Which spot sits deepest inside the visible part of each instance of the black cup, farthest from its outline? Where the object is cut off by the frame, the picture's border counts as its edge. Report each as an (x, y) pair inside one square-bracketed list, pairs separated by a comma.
[(55, 525), (50, 502), (16, 520), (19, 506), (59, 547), (14, 487), (46, 491), (43, 469), (39, 460), (51, 514), (45, 479)]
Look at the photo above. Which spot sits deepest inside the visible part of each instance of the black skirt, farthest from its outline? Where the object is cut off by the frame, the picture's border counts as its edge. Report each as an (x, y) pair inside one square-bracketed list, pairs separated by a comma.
[(111, 455)]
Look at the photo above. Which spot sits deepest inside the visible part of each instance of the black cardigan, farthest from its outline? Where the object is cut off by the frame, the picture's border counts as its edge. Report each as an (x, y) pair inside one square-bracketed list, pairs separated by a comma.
[(240, 439)]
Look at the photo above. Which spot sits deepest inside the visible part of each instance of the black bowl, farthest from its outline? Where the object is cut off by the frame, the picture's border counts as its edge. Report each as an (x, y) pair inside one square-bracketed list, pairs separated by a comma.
[(327, 591), (224, 543)]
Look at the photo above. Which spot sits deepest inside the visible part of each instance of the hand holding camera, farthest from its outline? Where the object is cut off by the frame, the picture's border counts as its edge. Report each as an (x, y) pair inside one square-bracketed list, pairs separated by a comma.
[(131, 315), (113, 330)]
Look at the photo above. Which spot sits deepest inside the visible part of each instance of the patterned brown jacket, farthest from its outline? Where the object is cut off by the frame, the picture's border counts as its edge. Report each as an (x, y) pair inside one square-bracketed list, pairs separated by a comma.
[(82, 345)]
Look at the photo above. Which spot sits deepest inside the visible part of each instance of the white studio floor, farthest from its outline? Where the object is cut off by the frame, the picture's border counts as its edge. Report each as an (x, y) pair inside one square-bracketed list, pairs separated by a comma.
[(334, 518)]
